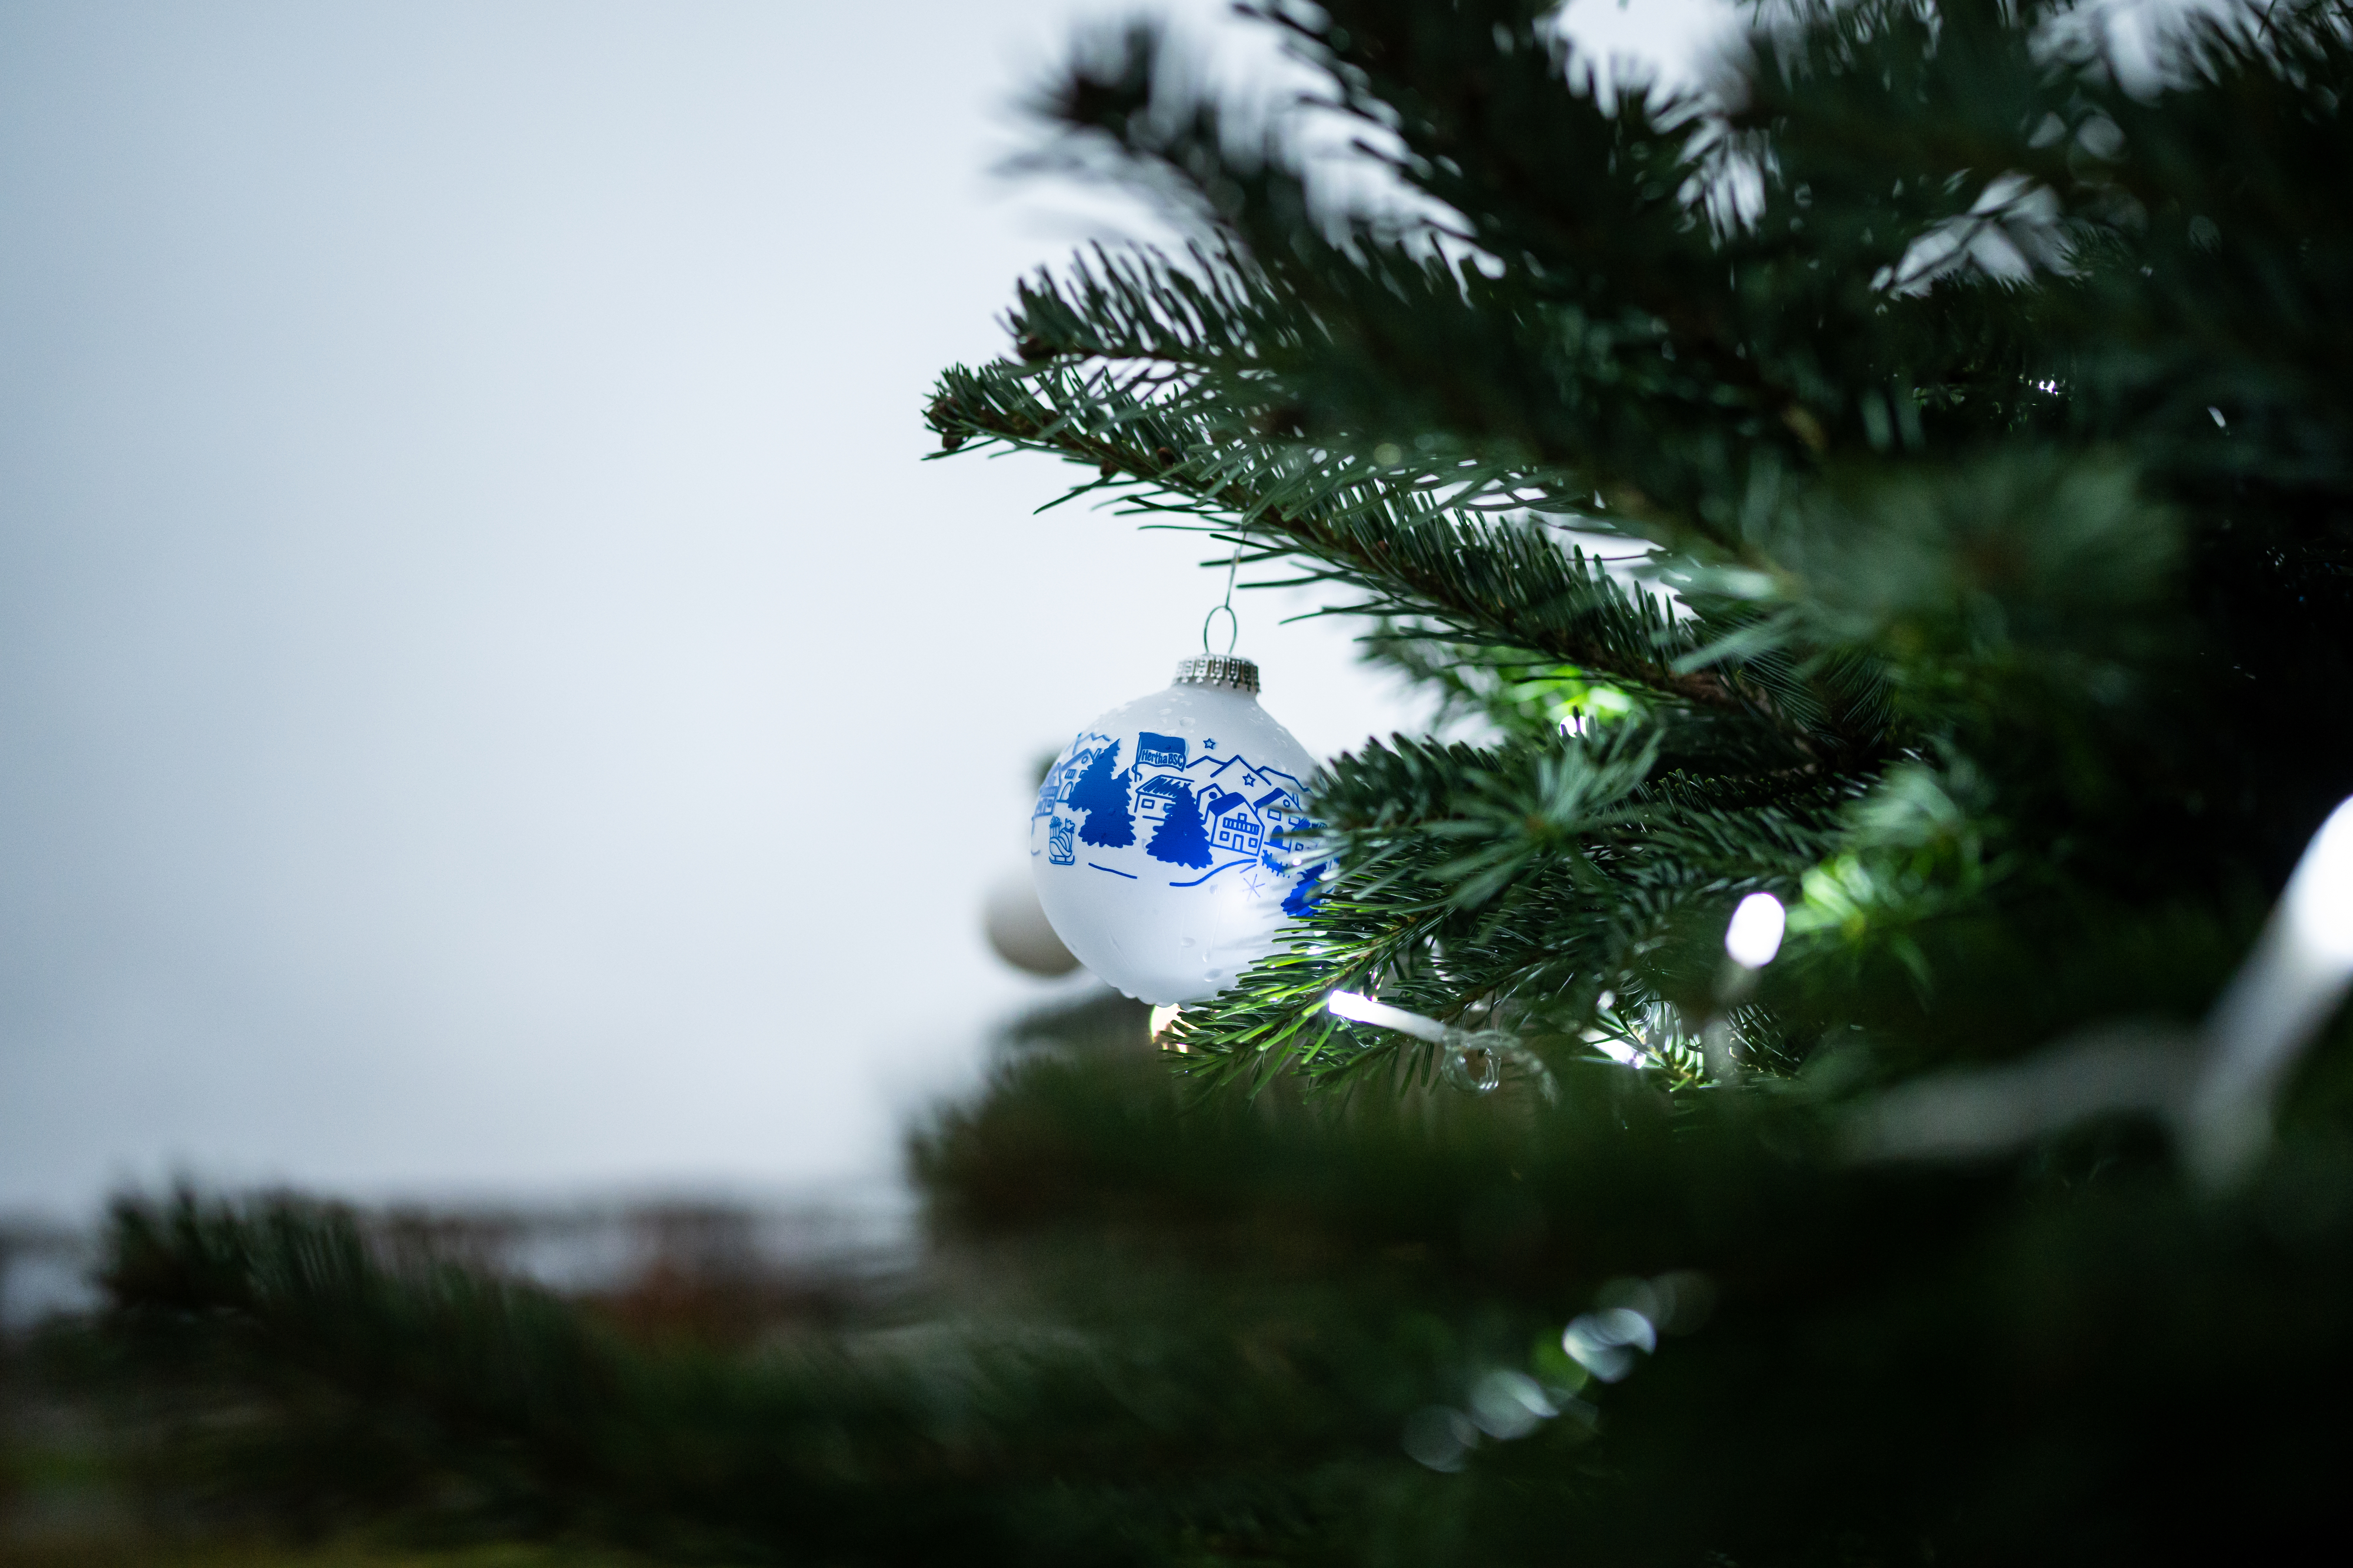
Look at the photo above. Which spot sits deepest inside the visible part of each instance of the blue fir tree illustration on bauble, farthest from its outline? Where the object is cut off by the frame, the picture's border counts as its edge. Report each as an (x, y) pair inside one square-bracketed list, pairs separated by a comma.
[(1182, 838), (1101, 794)]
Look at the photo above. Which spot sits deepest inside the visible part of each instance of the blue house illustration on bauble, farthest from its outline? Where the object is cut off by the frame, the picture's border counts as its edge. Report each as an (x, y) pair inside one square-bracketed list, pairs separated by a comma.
[(1279, 812), (1158, 793), (1234, 827), (1059, 781)]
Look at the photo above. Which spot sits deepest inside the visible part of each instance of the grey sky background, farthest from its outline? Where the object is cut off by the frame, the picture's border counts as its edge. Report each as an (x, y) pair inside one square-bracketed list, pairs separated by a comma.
[(489, 700)]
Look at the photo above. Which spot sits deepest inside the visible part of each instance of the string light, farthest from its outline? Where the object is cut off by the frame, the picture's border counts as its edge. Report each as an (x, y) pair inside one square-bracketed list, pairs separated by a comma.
[(1363, 1009), (2281, 996), (1754, 935), (2218, 1088), (1471, 1059), (2318, 902)]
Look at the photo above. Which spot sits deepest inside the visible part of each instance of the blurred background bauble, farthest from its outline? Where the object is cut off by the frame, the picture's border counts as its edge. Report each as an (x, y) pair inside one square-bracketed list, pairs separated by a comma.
[(1017, 930)]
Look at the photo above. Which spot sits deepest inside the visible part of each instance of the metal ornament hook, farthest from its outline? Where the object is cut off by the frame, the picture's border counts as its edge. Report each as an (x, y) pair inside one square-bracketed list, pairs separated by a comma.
[(1233, 621), (1233, 626)]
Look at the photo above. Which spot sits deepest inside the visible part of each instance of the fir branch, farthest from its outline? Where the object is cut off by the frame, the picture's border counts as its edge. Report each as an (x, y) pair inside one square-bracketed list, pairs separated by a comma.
[(1475, 579), (1535, 876)]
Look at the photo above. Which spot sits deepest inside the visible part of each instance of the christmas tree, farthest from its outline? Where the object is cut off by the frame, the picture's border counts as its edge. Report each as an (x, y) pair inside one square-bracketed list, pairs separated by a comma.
[(1101, 794), (1182, 838), (1957, 410)]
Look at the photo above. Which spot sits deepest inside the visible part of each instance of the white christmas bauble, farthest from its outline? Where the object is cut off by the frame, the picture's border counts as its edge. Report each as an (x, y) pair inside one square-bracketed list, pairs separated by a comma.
[(1158, 838)]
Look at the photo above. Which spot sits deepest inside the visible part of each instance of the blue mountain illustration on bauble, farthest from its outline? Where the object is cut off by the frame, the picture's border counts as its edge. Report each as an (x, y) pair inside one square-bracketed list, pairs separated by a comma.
[(1206, 808), (1202, 812)]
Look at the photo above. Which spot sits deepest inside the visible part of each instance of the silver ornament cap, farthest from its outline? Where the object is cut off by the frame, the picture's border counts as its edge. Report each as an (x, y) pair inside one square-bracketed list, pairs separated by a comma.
[(1219, 670)]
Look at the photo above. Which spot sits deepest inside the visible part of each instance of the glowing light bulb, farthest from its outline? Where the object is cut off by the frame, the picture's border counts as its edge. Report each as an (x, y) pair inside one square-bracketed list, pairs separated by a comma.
[(2318, 903), (1754, 935), (2275, 1005), (1364, 1010)]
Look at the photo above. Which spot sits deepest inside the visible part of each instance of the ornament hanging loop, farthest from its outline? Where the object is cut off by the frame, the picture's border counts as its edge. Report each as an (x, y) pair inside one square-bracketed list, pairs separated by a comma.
[(1233, 626), (1233, 621)]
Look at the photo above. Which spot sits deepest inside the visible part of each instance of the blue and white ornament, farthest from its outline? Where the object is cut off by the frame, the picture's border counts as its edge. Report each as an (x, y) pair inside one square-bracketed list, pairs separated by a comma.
[(1164, 841)]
